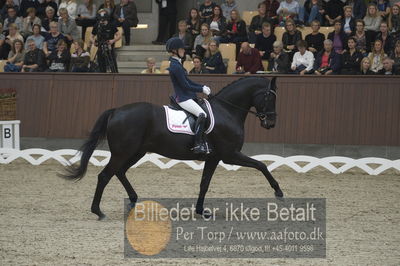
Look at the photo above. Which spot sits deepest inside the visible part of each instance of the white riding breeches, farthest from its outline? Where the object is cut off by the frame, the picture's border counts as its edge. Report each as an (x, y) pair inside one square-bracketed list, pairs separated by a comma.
[(192, 107)]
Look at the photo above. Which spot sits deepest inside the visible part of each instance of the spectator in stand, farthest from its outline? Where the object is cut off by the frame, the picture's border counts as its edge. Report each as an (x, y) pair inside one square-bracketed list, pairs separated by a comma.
[(12, 19), (315, 39), (13, 34), (227, 7), (338, 37), (50, 17), (388, 67), (26, 4), (217, 23), (36, 36), (235, 30), (363, 38), (313, 11), (67, 26), (167, 13), (71, 7), (201, 42), (372, 19), (351, 58), (86, 16), (185, 36), (265, 41), (4, 47), (255, 28), (34, 60), (249, 60), (4, 9), (213, 59), (151, 67), (376, 56), (385, 37), (394, 19), (288, 9), (125, 15), (193, 23), (52, 38), (383, 7), (365, 67), (15, 57), (109, 6), (198, 67), (303, 60), (327, 61), (279, 60), (359, 8), (29, 21), (348, 22), (60, 58), (271, 7), (41, 12), (395, 54), (80, 59), (290, 37), (206, 10), (333, 11)]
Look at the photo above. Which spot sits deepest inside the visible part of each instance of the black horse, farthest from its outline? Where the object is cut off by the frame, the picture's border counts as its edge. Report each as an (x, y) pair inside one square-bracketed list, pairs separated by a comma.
[(134, 129)]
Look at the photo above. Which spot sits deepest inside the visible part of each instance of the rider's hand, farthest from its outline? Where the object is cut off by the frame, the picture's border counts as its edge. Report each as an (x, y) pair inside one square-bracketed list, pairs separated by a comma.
[(206, 90)]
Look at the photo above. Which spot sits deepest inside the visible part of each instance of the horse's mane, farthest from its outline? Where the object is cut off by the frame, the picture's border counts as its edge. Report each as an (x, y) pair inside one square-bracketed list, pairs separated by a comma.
[(234, 82)]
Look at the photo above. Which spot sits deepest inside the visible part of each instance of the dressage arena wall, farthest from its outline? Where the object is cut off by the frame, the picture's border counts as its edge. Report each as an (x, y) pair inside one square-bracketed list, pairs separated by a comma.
[(341, 110)]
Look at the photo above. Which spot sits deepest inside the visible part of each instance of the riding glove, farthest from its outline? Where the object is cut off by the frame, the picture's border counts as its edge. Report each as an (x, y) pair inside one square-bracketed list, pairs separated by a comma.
[(206, 90)]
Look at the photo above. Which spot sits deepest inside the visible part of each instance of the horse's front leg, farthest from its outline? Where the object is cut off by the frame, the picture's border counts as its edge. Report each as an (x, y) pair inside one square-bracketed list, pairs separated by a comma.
[(239, 158), (208, 171)]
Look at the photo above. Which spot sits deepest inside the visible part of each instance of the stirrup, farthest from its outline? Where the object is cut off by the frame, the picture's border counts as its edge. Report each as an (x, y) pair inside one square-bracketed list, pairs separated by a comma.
[(201, 149)]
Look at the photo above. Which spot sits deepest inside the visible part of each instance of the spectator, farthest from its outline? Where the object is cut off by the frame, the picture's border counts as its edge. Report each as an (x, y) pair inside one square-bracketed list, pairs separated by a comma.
[(37, 37), (217, 23), (193, 23), (315, 39), (288, 9), (4, 47), (201, 42), (395, 54), (338, 37), (52, 38), (167, 13), (41, 12), (4, 9), (385, 37), (198, 67), (334, 11), (365, 67), (86, 16), (109, 7), (185, 36), (235, 30), (271, 7), (383, 7), (376, 56), (206, 10), (327, 61), (249, 60), (278, 60), (290, 37), (359, 8), (59, 59), (363, 38), (71, 7), (34, 60), (255, 28), (26, 4), (15, 57), (265, 41), (12, 19), (80, 59), (388, 67), (50, 17), (67, 26), (151, 67), (213, 59), (313, 11), (13, 34), (303, 60), (394, 19), (227, 7), (29, 21), (372, 19), (351, 58), (348, 22), (125, 15)]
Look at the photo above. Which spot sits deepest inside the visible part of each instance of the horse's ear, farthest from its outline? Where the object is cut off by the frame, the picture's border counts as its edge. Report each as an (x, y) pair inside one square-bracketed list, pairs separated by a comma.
[(272, 84)]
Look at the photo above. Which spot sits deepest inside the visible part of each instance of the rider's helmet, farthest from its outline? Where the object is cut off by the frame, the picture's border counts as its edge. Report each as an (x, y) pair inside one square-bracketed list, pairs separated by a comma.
[(174, 44)]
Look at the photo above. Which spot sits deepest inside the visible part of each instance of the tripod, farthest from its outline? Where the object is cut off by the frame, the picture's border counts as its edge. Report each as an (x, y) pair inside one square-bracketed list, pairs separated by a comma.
[(109, 57)]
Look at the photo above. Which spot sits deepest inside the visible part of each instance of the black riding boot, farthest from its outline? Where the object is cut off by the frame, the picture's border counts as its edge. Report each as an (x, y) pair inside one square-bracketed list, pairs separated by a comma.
[(199, 143)]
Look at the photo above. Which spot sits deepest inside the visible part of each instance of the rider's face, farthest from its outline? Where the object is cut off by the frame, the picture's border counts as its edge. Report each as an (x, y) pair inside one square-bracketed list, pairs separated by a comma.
[(181, 52)]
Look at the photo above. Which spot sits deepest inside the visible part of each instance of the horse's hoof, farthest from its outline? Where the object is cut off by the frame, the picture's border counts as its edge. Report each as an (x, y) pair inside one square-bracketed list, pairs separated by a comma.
[(102, 217), (204, 214), (279, 194), (131, 205)]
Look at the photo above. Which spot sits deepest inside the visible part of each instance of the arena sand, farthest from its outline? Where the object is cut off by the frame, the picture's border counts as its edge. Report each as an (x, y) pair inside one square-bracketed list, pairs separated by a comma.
[(45, 220)]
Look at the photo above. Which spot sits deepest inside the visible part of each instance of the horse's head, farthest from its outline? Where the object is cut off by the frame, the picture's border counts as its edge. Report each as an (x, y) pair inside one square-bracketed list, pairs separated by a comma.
[(265, 105)]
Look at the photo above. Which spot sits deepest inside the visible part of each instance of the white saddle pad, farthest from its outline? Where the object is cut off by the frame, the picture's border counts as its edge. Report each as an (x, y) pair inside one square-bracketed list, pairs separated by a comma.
[(177, 122)]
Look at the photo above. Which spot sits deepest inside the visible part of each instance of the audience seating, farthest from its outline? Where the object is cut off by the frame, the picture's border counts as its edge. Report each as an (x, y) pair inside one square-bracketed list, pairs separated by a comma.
[(304, 31), (88, 33), (265, 64), (247, 16), (118, 44), (188, 65), (164, 66), (231, 67), (228, 50), (2, 64)]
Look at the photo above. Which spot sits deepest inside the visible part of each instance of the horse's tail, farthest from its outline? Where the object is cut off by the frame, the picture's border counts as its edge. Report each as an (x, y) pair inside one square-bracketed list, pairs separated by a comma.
[(97, 134)]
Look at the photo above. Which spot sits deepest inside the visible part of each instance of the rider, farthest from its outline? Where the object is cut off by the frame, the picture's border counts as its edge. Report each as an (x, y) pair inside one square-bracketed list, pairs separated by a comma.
[(185, 91)]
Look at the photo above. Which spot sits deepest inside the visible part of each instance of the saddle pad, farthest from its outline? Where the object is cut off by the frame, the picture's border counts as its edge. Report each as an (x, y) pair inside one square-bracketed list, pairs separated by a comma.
[(177, 121)]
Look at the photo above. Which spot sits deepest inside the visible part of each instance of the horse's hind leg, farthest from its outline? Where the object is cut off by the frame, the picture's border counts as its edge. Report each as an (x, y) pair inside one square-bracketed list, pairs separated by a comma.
[(209, 169)]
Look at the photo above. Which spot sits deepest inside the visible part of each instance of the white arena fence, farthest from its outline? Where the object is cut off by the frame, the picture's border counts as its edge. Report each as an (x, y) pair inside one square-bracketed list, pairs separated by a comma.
[(307, 163)]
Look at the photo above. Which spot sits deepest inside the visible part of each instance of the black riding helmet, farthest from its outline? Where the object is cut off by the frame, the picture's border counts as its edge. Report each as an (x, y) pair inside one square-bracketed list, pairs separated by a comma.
[(174, 44)]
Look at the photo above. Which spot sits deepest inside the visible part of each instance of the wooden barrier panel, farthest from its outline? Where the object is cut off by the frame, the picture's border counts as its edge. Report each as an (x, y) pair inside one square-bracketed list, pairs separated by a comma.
[(343, 110)]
